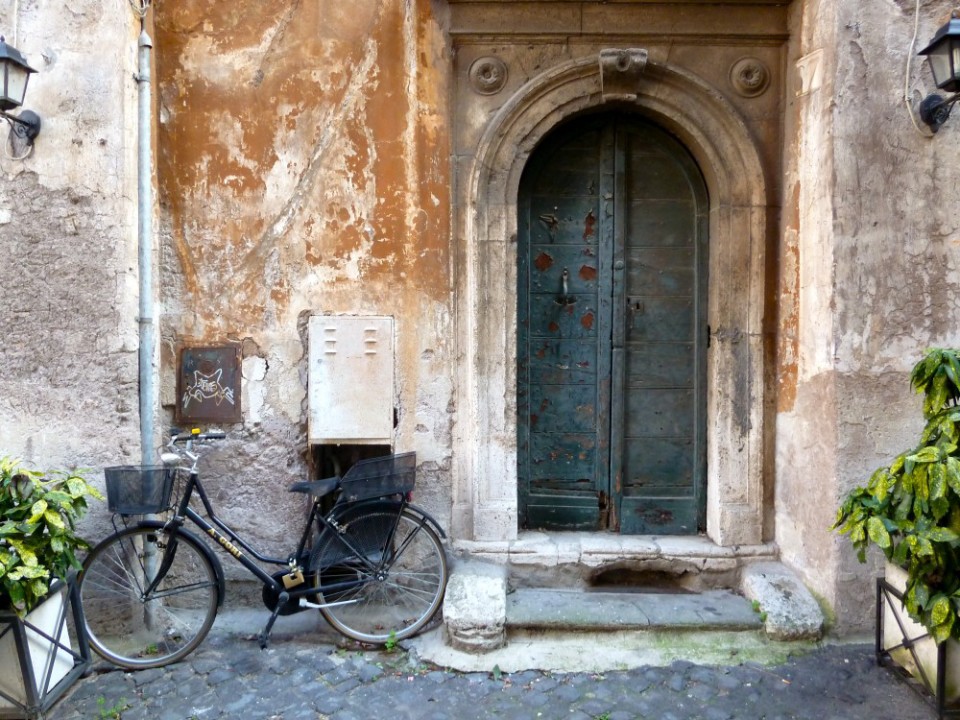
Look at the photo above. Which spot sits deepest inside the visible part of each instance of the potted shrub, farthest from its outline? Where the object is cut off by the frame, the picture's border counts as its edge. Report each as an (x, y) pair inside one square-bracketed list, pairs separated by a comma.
[(910, 509), (38, 557)]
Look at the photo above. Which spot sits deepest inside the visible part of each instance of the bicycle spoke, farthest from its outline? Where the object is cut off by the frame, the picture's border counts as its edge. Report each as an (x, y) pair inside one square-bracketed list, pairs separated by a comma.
[(405, 592), (137, 631)]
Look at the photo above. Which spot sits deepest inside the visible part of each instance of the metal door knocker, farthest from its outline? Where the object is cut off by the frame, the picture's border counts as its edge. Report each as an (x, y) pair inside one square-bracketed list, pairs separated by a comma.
[(565, 298)]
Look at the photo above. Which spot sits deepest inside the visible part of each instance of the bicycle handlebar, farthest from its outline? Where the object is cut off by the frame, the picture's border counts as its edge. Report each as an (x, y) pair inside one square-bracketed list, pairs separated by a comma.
[(177, 436), (176, 454)]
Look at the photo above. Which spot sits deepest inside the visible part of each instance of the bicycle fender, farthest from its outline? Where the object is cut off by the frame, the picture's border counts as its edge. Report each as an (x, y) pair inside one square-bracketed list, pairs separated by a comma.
[(417, 510), (205, 549), (392, 506)]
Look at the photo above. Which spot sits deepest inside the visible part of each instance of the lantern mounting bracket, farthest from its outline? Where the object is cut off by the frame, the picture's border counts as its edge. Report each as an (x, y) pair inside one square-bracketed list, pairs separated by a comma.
[(935, 109), (26, 125)]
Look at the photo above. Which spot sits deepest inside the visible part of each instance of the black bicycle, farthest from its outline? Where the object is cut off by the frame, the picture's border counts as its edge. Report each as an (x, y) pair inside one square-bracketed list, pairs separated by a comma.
[(376, 569)]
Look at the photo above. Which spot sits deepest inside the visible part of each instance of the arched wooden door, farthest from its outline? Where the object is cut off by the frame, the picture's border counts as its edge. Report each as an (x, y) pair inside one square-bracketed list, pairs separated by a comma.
[(612, 335)]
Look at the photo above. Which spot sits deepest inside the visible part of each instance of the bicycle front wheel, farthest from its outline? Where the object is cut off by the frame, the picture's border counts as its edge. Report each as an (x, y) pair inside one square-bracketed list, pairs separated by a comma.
[(397, 586), (132, 627)]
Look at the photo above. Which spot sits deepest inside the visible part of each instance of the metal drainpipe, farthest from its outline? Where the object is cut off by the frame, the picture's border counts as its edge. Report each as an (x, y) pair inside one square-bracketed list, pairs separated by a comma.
[(145, 252), (145, 237)]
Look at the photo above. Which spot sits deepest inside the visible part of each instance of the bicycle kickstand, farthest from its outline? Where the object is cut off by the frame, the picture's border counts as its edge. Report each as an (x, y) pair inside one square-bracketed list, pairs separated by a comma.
[(264, 637)]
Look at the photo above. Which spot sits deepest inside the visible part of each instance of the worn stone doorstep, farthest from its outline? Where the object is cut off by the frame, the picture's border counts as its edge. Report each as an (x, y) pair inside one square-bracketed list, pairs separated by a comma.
[(482, 615)]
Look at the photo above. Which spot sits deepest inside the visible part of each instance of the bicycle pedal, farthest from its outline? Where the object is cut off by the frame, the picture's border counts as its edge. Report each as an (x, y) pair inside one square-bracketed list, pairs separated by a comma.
[(292, 579)]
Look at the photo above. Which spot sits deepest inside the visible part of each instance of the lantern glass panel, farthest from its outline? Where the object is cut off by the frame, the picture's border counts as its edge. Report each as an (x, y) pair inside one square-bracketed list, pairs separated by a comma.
[(14, 85), (17, 78), (943, 53), (954, 65), (939, 61)]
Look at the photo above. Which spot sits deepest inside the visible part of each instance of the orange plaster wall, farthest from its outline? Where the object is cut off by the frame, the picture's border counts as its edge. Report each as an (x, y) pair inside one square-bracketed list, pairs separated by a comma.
[(303, 159)]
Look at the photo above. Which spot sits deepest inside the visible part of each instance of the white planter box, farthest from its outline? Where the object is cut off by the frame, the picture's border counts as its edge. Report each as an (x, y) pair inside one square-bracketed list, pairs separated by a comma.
[(922, 663), (50, 662)]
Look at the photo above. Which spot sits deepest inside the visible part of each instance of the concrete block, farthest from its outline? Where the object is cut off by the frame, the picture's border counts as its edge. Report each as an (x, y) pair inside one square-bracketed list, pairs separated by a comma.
[(791, 611), (475, 607)]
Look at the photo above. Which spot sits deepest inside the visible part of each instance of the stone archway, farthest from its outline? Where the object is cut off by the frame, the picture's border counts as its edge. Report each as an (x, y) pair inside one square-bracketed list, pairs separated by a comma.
[(485, 493)]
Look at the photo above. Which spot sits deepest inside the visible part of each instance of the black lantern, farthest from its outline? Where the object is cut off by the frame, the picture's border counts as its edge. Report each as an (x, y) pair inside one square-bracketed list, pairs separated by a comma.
[(943, 54), (14, 75)]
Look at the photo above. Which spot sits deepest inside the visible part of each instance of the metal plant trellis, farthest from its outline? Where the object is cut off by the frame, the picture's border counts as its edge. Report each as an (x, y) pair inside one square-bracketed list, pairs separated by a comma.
[(40, 649)]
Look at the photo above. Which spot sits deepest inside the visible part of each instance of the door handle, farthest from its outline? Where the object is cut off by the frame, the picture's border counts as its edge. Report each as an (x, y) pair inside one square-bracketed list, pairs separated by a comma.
[(564, 298)]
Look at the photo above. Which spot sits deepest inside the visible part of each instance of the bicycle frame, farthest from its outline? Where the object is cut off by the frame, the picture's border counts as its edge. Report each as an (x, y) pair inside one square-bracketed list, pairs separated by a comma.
[(374, 563), (235, 546)]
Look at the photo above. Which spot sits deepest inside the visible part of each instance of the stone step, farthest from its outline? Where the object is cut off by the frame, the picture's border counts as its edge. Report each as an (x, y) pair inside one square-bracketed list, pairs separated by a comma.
[(486, 624), (559, 610), (484, 614)]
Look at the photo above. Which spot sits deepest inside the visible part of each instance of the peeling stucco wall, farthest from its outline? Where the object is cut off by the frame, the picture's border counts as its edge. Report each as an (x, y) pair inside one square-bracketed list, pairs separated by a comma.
[(68, 273), (868, 276), (303, 169)]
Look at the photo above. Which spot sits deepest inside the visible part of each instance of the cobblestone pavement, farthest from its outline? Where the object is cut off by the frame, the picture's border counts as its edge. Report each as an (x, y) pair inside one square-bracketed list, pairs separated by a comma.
[(230, 677)]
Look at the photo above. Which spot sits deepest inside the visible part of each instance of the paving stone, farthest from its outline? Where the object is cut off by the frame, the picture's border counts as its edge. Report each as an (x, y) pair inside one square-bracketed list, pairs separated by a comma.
[(238, 707), (137, 712), (368, 672), (191, 687), (206, 664), (715, 713), (145, 677), (220, 675), (677, 683), (299, 681), (329, 704)]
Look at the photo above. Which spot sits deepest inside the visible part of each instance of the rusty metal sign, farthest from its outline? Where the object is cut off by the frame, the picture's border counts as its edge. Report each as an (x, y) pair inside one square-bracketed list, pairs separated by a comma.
[(208, 384)]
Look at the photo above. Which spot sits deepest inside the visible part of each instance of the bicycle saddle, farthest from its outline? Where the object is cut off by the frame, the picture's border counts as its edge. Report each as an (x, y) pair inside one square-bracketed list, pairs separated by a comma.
[(318, 488)]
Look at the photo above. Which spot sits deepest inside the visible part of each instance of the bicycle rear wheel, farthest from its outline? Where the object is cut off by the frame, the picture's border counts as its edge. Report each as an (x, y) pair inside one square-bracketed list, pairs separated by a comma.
[(395, 590), (135, 630)]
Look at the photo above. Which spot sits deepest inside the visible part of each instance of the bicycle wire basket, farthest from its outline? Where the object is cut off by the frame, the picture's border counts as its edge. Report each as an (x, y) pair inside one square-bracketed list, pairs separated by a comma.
[(138, 490), (379, 477)]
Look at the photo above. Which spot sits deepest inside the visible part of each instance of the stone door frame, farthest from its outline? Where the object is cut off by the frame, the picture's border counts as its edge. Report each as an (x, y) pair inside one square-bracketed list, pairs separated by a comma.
[(485, 444)]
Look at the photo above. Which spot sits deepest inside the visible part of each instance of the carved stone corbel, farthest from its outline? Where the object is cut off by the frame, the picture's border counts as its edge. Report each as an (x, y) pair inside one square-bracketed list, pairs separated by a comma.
[(620, 71)]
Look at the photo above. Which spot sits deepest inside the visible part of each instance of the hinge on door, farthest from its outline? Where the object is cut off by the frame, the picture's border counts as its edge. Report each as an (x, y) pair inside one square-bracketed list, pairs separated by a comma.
[(708, 335)]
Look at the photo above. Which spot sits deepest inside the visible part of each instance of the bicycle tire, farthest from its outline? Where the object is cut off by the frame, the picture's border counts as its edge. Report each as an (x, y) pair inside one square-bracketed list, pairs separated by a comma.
[(400, 600), (138, 632)]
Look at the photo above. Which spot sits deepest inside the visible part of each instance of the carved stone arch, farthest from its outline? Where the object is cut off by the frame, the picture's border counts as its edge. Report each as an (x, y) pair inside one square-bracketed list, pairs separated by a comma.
[(718, 139)]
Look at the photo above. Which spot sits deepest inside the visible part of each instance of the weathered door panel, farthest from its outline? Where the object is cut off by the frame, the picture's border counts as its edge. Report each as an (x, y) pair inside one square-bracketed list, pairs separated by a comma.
[(664, 395), (563, 428), (609, 387)]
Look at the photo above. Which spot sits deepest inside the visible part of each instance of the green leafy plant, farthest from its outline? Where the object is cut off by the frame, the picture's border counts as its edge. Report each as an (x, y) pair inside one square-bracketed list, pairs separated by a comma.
[(38, 540), (114, 712), (911, 508)]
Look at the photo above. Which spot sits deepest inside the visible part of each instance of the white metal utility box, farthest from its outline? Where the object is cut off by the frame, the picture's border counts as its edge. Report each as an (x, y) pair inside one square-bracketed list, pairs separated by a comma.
[(350, 380)]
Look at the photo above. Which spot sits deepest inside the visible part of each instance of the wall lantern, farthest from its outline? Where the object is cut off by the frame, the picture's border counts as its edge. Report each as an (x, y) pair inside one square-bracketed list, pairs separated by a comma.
[(14, 74), (943, 54)]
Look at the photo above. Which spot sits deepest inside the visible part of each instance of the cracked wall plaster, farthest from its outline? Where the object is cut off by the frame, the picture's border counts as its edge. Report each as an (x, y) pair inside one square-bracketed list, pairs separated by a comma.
[(302, 170)]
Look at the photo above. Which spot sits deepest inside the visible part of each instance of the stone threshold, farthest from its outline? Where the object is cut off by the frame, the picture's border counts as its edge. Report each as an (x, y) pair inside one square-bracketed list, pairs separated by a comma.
[(577, 559), (547, 586), (563, 543)]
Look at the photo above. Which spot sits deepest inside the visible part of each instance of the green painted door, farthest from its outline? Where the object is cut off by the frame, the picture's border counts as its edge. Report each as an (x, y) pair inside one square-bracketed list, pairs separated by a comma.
[(611, 337)]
